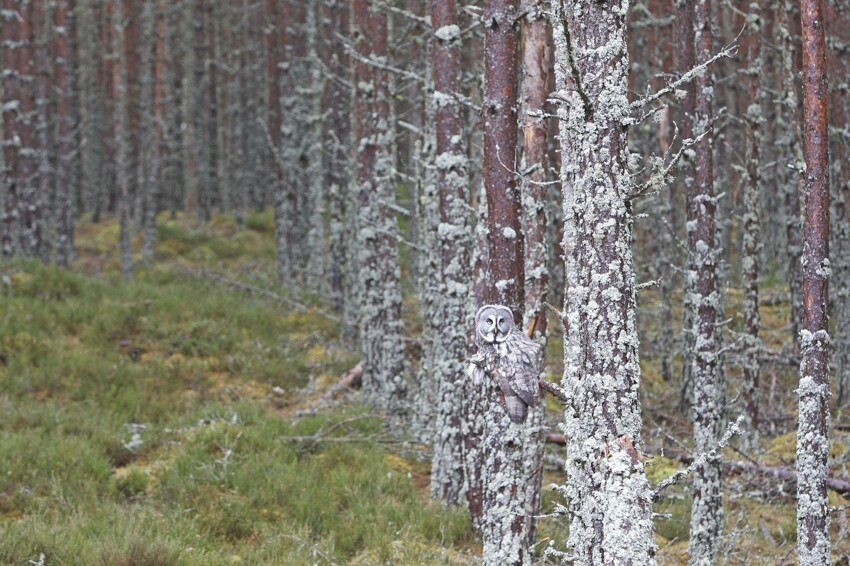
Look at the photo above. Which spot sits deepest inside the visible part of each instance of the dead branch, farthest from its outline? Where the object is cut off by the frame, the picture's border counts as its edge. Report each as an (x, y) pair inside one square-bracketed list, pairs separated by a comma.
[(728, 51), (555, 438), (559, 393), (699, 460), (250, 289), (783, 473)]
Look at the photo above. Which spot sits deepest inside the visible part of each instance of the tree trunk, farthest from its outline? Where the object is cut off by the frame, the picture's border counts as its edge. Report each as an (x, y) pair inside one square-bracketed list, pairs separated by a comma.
[(65, 177), (750, 269), (12, 94), (377, 241), (45, 214), (454, 271), (506, 525), (838, 22), (608, 495), (707, 510), (337, 98), (28, 154), (790, 155), (686, 61), (154, 172), (813, 545), (188, 100), (534, 167), (122, 165)]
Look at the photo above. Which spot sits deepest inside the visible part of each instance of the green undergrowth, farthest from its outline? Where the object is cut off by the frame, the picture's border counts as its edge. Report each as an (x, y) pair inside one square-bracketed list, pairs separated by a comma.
[(155, 422)]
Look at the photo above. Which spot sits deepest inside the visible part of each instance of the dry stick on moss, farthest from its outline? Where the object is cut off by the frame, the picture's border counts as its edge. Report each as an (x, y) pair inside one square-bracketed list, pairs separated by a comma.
[(265, 293)]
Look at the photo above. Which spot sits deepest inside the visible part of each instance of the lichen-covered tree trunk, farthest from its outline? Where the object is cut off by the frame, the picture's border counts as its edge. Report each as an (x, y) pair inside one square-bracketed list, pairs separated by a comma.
[(89, 152), (312, 257), (505, 522), (337, 97), (789, 154), (426, 395), (475, 400), (26, 142), (45, 214), (838, 26), (290, 218), (122, 163), (813, 546), (752, 229), (188, 100), (284, 213), (704, 301), (147, 57), (607, 491), (12, 93), (5, 133), (536, 52), (377, 231), (454, 270), (65, 178), (685, 62), (154, 171)]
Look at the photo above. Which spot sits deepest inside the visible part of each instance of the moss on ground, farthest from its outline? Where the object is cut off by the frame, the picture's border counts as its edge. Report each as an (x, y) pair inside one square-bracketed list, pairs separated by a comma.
[(156, 422)]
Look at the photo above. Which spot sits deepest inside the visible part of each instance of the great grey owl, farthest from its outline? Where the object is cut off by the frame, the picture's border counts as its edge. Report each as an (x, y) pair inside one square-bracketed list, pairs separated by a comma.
[(509, 357)]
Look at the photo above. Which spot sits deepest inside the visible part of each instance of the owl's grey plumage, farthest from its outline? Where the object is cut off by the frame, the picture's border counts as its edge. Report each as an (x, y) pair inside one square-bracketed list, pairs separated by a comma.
[(509, 357)]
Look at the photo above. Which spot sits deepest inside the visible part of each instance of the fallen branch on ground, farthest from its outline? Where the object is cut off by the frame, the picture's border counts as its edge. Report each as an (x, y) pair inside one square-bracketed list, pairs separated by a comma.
[(349, 380), (250, 289)]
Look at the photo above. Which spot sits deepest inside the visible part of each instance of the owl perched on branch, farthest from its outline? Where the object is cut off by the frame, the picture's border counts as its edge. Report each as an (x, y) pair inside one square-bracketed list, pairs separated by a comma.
[(509, 357)]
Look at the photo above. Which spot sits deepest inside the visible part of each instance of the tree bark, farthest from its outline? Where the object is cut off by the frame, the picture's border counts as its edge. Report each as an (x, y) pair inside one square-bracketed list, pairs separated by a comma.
[(686, 61), (506, 525), (454, 272), (11, 108), (337, 99), (377, 241), (790, 154), (65, 178), (813, 546), (838, 28), (122, 164), (705, 302), (608, 495), (534, 168), (154, 173), (750, 260)]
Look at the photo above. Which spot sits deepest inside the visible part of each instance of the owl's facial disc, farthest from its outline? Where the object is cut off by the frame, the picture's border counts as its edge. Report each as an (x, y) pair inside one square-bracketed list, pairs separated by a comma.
[(494, 323), (504, 321)]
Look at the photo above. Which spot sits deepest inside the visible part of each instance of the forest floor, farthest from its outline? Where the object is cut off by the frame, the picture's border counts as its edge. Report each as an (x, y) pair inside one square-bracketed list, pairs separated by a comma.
[(173, 420)]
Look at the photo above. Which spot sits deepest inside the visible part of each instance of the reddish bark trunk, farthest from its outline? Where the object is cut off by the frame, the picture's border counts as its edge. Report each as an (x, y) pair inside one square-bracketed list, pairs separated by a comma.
[(505, 285), (812, 441)]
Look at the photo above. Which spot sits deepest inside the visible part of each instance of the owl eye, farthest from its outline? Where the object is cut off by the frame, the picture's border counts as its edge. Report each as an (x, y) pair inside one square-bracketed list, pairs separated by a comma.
[(489, 322)]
